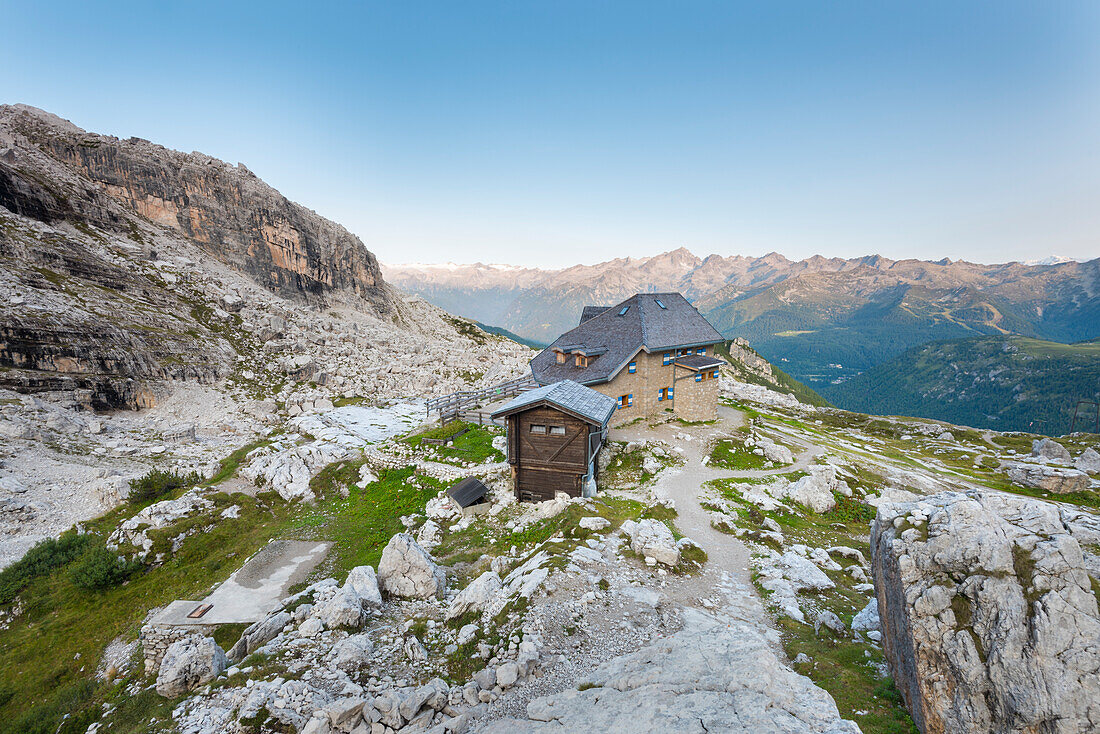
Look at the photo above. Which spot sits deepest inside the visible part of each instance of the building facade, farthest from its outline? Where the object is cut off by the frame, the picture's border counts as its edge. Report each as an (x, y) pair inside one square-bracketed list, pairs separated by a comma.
[(653, 353)]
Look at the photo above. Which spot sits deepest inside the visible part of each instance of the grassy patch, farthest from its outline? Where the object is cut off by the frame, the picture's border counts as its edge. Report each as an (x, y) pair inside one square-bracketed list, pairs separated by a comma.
[(731, 454)]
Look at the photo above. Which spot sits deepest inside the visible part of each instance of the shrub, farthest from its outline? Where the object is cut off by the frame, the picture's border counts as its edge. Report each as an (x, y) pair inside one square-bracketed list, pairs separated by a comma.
[(40, 561), (100, 568), (158, 484)]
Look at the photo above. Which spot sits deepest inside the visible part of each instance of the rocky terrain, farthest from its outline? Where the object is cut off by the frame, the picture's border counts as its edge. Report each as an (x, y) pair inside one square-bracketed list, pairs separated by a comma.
[(823, 320)]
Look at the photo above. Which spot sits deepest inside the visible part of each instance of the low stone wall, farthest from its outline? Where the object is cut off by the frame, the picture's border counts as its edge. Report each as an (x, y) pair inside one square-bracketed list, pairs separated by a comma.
[(155, 640)]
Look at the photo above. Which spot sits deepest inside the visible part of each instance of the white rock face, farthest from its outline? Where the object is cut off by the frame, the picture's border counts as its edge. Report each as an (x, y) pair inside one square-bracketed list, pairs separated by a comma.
[(1049, 478), (867, 620), (1088, 461), (713, 675), (156, 516), (288, 472), (408, 571), (652, 539), (257, 634), (189, 663), (1047, 448), (477, 596), (989, 622)]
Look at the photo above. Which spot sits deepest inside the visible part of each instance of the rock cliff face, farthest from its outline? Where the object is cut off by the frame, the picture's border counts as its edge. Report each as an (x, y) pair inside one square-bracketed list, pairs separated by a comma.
[(106, 251), (989, 612), (53, 171)]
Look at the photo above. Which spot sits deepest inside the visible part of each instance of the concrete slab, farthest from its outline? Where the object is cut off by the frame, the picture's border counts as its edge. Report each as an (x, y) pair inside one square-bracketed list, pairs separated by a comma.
[(254, 590)]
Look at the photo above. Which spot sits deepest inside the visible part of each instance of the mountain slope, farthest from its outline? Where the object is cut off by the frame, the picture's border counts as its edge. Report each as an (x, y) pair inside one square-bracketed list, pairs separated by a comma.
[(1002, 382)]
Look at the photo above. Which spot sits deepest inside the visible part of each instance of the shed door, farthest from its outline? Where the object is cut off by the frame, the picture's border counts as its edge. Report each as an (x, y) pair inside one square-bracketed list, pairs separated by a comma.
[(538, 485)]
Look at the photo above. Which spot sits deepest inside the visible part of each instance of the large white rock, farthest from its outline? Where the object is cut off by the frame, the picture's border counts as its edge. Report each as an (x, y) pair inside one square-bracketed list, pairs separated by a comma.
[(407, 570), (189, 663), (1088, 461), (714, 675), (365, 583), (1047, 448), (258, 634), (989, 620), (652, 539), (477, 596), (816, 489), (867, 620)]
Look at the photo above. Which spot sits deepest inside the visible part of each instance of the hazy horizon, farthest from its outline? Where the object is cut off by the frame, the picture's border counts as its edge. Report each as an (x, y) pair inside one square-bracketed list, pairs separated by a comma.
[(550, 135)]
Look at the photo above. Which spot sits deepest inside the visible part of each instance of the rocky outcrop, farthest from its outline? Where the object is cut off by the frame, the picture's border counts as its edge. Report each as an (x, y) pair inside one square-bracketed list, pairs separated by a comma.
[(407, 570), (1054, 479), (988, 613), (189, 663), (477, 596), (1088, 461), (714, 675), (652, 539), (56, 171)]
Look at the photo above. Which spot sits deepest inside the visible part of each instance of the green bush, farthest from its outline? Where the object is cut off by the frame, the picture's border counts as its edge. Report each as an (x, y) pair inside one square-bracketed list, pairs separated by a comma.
[(100, 568), (158, 484), (40, 561)]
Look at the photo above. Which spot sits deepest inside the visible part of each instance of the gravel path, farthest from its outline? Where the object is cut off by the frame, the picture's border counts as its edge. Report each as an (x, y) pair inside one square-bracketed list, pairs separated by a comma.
[(684, 485)]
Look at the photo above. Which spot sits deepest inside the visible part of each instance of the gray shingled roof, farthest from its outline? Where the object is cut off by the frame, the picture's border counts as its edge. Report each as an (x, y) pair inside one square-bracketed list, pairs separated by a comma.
[(568, 395), (589, 311), (470, 491), (644, 325)]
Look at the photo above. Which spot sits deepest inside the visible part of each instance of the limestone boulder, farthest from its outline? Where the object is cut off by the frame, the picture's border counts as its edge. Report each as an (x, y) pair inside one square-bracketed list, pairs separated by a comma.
[(189, 663), (477, 596), (1088, 461), (1047, 448), (652, 539), (257, 635), (989, 621), (408, 571), (364, 582)]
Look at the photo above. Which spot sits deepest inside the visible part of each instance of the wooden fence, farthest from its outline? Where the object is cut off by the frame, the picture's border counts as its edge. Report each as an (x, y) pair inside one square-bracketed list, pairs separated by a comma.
[(450, 406)]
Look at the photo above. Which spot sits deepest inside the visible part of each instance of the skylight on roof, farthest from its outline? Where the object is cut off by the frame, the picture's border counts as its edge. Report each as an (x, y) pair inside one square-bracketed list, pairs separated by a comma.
[(658, 300), (625, 309)]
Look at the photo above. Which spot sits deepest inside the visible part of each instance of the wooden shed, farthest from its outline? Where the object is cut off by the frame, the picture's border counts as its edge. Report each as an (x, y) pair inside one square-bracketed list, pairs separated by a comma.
[(555, 433)]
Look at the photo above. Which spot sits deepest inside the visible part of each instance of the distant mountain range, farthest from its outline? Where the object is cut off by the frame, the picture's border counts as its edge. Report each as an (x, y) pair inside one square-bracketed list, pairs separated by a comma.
[(823, 320), (1002, 382)]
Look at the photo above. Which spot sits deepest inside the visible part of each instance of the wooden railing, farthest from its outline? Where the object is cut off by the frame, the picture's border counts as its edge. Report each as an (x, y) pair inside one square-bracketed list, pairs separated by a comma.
[(451, 405)]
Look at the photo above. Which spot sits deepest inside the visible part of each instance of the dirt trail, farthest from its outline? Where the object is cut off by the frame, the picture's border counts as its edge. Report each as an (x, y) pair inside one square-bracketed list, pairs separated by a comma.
[(728, 558)]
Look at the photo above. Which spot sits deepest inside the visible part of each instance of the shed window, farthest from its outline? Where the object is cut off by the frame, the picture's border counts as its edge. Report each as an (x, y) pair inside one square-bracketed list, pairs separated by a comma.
[(581, 360), (668, 358), (665, 393), (701, 350), (632, 367), (561, 357), (625, 401), (625, 309), (658, 300), (536, 428), (557, 430)]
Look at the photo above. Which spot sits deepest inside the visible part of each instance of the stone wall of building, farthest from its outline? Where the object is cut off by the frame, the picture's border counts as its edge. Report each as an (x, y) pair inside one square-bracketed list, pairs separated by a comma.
[(155, 639), (693, 401)]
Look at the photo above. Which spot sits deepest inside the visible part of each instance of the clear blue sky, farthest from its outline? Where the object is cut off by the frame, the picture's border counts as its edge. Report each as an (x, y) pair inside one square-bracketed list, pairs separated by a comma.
[(551, 133)]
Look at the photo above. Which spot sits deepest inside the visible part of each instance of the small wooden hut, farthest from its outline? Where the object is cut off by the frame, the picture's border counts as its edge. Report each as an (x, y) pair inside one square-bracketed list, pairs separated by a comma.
[(555, 433)]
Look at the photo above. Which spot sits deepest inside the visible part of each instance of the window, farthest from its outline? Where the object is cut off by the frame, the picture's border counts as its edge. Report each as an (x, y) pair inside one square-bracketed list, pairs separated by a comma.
[(561, 357), (632, 367), (707, 375), (714, 374), (665, 393), (668, 358), (698, 376), (536, 428), (669, 393), (658, 300), (625, 401), (660, 394), (581, 360), (557, 430), (701, 350), (625, 309)]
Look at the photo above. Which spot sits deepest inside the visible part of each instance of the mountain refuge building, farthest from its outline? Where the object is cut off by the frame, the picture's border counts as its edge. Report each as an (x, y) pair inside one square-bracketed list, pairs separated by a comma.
[(555, 433), (652, 353)]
